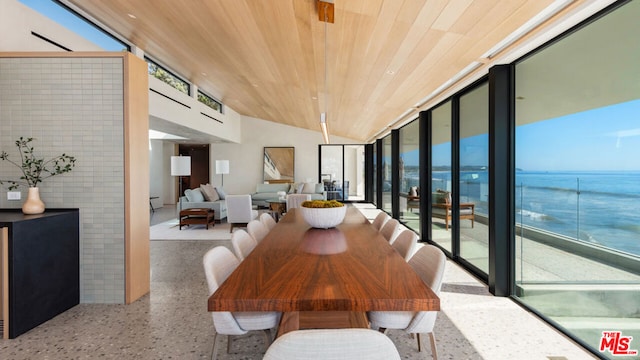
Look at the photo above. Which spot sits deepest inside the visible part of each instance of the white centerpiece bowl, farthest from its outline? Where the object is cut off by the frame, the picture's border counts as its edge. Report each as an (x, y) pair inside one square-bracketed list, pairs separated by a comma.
[(323, 218)]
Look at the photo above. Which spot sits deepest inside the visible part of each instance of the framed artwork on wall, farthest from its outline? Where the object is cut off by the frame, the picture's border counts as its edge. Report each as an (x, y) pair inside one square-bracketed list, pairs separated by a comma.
[(279, 164)]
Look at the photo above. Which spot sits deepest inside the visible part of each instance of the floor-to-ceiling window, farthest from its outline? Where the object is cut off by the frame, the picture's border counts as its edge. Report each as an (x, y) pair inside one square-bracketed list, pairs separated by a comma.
[(385, 167), (354, 177), (342, 171), (578, 181), (375, 174), (441, 186), (331, 171), (410, 175), (474, 180)]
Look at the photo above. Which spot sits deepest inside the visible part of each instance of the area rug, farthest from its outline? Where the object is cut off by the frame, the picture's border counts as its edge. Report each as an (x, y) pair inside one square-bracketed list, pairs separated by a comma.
[(169, 230)]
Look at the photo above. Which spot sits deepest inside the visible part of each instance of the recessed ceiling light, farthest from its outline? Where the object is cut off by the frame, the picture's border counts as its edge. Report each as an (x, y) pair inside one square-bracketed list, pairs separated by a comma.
[(132, 16), (204, 74), (314, 97), (254, 85), (391, 72)]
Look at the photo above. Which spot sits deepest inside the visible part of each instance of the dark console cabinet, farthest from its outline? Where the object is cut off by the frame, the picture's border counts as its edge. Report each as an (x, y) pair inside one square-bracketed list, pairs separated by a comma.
[(43, 266)]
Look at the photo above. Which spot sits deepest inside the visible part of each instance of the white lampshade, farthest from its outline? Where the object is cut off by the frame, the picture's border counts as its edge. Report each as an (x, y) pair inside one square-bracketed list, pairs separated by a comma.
[(181, 166), (222, 166)]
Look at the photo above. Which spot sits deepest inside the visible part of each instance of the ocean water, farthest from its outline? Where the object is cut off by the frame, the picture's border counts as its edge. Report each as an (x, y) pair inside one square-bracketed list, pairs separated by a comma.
[(598, 207)]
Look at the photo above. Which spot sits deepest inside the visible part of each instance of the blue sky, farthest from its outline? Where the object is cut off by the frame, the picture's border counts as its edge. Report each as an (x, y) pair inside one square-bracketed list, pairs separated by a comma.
[(606, 138), (73, 23)]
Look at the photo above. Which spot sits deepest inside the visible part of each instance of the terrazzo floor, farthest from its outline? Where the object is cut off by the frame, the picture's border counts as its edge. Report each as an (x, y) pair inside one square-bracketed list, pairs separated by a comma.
[(172, 322)]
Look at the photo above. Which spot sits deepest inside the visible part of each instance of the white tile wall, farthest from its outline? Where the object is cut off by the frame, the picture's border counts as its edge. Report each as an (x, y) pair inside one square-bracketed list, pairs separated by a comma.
[(74, 106)]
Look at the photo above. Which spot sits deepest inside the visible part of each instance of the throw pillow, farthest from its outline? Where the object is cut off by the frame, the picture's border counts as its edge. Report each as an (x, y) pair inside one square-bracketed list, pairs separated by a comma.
[(214, 194), (308, 188), (194, 195), (299, 188), (210, 194), (188, 194), (446, 196), (413, 191), (221, 193), (204, 193), (197, 196), (292, 188)]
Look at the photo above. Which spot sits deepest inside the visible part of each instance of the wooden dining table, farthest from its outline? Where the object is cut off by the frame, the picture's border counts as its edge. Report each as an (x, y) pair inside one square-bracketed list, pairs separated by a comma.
[(348, 269)]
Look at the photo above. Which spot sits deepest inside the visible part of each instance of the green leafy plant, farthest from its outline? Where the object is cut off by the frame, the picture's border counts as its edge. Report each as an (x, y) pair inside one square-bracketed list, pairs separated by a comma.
[(35, 169)]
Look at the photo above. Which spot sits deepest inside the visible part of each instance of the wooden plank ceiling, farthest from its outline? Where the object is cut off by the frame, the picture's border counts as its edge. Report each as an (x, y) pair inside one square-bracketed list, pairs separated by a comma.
[(266, 58)]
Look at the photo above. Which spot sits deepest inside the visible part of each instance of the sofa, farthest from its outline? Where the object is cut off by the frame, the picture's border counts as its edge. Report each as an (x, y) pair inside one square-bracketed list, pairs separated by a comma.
[(206, 196), (266, 192)]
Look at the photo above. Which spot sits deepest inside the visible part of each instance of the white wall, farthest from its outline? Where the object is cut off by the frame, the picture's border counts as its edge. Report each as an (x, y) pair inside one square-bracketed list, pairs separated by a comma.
[(170, 116), (170, 183), (245, 159), (156, 171), (19, 21)]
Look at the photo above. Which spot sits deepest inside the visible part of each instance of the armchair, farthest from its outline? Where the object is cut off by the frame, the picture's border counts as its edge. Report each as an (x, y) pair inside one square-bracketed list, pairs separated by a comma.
[(296, 200), (413, 202), (239, 210), (413, 199), (441, 208)]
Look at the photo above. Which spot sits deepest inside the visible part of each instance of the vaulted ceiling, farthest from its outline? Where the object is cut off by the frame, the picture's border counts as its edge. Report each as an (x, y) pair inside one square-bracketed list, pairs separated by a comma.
[(266, 58)]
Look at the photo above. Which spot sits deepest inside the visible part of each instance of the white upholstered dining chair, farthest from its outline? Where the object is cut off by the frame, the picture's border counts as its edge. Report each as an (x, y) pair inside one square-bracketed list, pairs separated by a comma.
[(257, 230), (268, 220), (295, 200), (332, 344), (404, 243), (429, 262), (219, 262), (243, 243), (239, 210), (380, 220), (390, 229)]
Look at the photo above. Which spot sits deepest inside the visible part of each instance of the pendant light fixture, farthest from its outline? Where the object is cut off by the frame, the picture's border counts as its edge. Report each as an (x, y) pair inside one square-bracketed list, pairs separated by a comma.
[(325, 12)]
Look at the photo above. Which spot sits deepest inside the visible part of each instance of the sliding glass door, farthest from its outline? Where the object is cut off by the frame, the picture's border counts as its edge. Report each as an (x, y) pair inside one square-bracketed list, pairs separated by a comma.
[(474, 177), (385, 168), (441, 186), (409, 176), (578, 181), (342, 172)]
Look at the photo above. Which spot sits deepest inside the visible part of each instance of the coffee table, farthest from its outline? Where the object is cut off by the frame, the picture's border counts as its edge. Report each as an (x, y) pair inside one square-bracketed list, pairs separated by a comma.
[(203, 216), (278, 206)]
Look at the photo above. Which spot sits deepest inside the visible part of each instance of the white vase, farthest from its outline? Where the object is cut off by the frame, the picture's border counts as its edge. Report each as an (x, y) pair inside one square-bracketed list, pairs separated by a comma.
[(33, 204)]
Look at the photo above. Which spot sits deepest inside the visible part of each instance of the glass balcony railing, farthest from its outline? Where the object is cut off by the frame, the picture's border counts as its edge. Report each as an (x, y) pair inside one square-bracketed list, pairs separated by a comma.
[(598, 208), (578, 251)]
